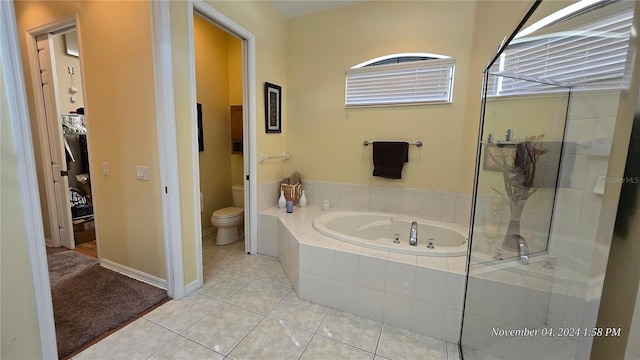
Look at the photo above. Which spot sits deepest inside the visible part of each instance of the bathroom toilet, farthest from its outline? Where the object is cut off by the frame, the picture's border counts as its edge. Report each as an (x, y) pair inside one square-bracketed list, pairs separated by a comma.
[(230, 220)]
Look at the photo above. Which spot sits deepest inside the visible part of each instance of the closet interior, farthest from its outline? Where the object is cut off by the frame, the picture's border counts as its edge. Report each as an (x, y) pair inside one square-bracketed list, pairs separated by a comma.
[(75, 143)]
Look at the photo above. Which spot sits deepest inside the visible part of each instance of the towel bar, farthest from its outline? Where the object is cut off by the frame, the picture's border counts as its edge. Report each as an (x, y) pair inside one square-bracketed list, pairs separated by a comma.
[(284, 156), (417, 143)]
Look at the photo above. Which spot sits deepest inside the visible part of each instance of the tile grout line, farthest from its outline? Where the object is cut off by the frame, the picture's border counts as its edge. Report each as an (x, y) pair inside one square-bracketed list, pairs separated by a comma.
[(378, 342), (181, 334), (315, 332), (165, 344), (245, 336), (338, 340), (224, 301), (291, 289), (255, 326), (256, 277)]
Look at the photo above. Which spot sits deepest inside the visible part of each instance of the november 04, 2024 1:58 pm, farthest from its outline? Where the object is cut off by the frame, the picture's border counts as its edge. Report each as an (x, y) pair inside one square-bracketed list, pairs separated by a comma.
[(556, 332)]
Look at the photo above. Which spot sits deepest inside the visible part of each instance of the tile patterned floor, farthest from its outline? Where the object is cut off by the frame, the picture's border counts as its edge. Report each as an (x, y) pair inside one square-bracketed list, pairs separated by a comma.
[(247, 309)]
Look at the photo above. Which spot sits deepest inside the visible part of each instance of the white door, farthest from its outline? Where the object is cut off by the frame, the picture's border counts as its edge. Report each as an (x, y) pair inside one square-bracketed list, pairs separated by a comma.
[(56, 144)]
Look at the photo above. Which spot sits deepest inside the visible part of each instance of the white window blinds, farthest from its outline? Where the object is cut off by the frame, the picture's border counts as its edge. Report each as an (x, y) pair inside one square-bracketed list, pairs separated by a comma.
[(416, 82), (582, 56)]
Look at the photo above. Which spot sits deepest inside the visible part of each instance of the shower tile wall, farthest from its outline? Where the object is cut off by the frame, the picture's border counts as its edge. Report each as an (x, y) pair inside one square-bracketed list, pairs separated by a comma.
[(591, 121), (510, 296)]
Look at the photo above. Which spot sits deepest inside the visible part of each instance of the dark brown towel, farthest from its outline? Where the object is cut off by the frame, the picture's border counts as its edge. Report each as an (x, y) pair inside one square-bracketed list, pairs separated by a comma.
[(388, 158)]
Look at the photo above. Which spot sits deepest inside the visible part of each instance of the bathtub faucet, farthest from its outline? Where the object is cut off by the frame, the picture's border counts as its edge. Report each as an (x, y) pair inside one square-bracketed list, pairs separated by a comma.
[(413, 234)]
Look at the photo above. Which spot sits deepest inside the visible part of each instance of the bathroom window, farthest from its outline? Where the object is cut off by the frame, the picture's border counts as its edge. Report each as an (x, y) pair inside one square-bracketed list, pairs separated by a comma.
[(401, 79), (584, 56)]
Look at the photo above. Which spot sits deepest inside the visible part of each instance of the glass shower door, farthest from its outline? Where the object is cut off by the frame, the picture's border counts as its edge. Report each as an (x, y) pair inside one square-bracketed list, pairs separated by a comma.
[(540, 232), (510, 271)]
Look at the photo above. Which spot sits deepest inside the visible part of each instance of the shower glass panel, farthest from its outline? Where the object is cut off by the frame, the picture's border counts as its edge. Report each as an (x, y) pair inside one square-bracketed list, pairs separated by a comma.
[(510, 270), (550, 103), (518, 170)]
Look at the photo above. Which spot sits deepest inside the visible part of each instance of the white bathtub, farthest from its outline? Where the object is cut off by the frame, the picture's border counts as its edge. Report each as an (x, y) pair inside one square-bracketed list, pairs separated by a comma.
[(377, 231)]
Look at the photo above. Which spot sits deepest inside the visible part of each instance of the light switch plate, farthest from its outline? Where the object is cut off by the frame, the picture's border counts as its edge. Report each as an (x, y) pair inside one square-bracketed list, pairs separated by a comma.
[(142, 173)]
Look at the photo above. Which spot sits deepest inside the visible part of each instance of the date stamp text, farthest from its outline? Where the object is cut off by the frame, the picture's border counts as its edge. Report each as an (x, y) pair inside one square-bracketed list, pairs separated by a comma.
[(556, 332)]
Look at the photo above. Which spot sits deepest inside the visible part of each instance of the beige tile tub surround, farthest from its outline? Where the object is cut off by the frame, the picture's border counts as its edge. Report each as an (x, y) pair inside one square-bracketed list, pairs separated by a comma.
[(421, 294), (418, 293), (432, 205)]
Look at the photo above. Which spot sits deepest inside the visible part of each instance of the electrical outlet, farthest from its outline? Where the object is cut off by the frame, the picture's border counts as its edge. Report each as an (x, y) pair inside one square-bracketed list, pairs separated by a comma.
[(71, 70)]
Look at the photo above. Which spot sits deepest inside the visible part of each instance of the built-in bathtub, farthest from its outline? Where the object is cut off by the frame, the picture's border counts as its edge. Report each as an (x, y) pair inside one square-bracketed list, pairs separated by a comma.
[(424, 294), (379, 230)]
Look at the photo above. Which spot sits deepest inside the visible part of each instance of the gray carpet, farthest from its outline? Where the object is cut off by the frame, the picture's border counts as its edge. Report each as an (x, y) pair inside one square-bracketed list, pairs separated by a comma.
[(89, 300)]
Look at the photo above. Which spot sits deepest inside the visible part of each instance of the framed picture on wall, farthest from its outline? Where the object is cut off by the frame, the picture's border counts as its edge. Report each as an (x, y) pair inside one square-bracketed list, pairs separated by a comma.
[(200, 129), (272, 107)]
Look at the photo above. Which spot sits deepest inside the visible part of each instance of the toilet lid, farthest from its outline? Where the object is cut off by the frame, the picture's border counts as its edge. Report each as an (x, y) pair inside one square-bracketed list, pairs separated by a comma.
[(228, 212)]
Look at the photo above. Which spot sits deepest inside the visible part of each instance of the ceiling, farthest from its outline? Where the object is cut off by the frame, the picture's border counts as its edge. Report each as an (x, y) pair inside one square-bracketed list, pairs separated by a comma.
[(292, 8)]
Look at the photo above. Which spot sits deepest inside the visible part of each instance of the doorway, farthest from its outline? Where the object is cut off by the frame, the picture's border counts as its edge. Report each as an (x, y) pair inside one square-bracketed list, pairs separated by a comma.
[(219, 96), (68, 214), (249, 164)]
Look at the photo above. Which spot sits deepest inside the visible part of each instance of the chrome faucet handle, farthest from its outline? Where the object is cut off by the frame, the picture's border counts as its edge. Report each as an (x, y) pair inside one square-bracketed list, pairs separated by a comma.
[(523, 249), (508, 136), (413, 234), (396, 239)]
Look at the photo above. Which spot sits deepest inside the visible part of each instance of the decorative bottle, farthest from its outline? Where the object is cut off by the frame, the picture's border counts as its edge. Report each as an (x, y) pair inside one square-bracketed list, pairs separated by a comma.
[(282, 202), (303, 200)]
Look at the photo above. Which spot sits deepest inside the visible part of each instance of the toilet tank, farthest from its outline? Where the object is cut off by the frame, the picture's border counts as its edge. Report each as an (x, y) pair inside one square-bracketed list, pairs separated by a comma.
[(238, 195)]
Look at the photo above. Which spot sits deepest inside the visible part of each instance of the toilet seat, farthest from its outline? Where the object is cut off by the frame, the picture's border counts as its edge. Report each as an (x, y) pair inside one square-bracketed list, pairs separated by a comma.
[(228, 212)]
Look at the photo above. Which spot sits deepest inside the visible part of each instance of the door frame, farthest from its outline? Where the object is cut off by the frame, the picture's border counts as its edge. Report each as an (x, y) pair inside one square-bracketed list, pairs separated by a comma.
[(167, 148), (168, 145), (42, 129), (249, 121), (20, 124)]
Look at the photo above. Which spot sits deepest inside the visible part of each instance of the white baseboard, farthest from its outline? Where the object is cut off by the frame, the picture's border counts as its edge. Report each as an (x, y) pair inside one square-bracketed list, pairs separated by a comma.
[(133, 273), (192, 286)]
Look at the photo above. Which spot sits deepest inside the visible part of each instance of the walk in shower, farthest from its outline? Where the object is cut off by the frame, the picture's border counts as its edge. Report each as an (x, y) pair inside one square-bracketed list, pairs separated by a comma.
[(540, 227)]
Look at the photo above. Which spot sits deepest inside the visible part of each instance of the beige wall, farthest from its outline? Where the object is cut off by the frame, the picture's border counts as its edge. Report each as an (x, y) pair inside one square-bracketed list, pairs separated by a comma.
[(493, 21), (270, 30), (234, 53), (213, 92), (527, 116), (19, 326), (326, 139), (64, 79), (120, 103), (236, 98), (121, 110)]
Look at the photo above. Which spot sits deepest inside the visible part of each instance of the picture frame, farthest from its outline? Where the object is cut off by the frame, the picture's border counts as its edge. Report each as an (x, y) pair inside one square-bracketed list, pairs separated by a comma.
[(200, 129), (272, 108), (494, 152)]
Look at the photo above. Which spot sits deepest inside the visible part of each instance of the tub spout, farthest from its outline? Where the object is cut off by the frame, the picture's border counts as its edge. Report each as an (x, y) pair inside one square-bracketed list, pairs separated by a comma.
[(413, 234), (523, 249)]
